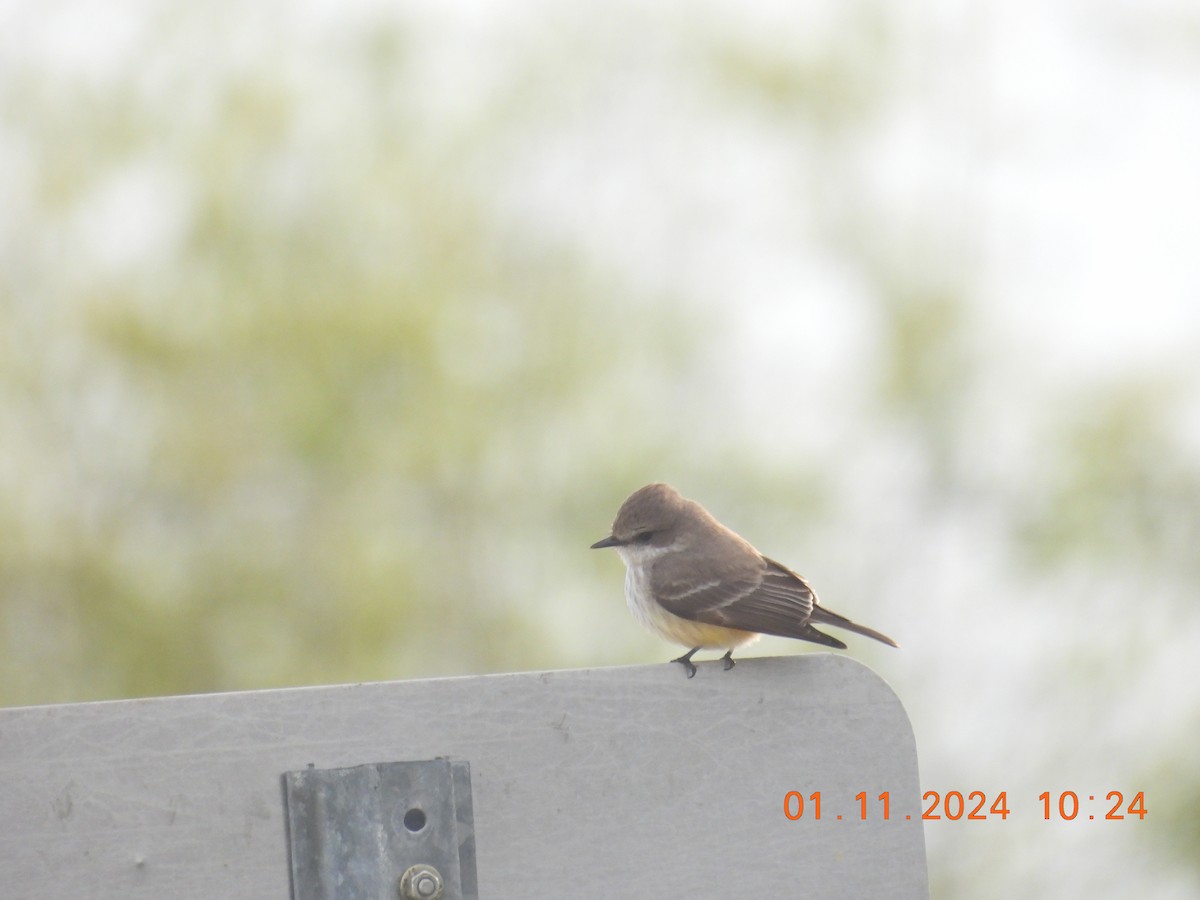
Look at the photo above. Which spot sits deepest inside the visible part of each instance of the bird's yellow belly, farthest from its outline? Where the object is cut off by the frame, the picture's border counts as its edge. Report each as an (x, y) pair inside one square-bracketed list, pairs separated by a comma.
[(682, 631)]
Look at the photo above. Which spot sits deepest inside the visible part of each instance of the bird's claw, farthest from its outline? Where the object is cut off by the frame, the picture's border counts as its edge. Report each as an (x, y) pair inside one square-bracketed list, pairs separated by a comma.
[(686, 661), (687, 664)]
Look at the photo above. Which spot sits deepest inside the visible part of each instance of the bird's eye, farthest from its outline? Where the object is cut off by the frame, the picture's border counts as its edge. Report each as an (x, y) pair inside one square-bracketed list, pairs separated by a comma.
[(643, 537)]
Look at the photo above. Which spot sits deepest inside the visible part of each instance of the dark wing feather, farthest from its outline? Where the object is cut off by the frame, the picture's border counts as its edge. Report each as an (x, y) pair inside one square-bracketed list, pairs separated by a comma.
[(777, 602)]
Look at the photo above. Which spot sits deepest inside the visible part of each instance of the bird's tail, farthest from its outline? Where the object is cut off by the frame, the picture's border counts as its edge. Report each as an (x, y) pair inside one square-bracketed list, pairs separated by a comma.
[(824, 616)]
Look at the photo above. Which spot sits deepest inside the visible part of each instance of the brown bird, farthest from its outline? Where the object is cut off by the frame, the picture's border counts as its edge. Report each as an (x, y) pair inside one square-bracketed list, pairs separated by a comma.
[(691, 580)]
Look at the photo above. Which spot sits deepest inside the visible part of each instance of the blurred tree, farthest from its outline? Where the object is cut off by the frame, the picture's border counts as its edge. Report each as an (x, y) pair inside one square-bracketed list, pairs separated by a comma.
[(301, 414)]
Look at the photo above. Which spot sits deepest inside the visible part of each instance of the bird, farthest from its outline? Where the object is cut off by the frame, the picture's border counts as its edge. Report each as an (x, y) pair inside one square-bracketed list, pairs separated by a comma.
[(694, 582)]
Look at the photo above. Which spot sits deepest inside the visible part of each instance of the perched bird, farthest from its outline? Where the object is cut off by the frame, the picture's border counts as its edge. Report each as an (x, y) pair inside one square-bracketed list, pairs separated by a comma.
[(691, 580)]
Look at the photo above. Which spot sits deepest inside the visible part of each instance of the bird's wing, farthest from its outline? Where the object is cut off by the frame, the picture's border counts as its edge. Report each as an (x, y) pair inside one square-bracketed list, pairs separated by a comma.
[(777, 601)]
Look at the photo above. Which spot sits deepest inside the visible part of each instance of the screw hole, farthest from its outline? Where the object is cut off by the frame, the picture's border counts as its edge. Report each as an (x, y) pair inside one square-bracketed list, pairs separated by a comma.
[(414, 819)]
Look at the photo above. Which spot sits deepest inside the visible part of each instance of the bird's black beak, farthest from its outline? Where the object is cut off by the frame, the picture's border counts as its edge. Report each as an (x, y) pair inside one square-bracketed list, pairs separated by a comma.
[(609, 541)]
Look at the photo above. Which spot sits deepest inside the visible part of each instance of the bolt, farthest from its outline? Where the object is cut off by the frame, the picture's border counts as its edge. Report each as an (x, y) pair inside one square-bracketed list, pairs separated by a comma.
[(422, 882)]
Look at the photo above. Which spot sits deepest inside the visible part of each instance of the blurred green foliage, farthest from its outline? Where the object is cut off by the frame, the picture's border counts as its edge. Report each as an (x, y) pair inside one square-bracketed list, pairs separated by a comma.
[(1123, 488), (303, 440)]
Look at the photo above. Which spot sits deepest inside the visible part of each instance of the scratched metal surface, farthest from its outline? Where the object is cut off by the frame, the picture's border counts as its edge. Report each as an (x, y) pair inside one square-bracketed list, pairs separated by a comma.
[(620, 782)]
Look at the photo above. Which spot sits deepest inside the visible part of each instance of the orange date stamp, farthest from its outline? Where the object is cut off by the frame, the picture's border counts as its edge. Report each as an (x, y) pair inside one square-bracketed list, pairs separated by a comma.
[(973, 806)]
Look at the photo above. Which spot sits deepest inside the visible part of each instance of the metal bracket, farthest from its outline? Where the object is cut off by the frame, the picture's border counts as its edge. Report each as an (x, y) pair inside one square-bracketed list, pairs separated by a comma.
[(387, 830)]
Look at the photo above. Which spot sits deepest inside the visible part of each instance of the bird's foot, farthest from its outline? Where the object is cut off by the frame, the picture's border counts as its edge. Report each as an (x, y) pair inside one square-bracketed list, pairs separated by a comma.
[(728, 657), (686, 660)]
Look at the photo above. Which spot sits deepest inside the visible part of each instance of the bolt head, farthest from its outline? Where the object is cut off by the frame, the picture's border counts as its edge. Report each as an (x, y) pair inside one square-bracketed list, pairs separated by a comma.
[(422, 882)]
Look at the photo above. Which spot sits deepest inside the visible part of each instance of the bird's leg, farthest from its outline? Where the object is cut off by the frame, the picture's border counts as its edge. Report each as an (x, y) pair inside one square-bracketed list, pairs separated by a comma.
[(686, 659), (728, 657)]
